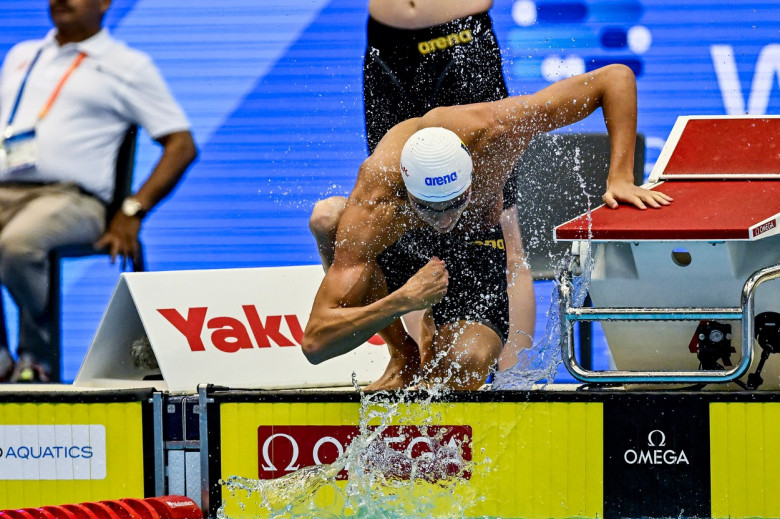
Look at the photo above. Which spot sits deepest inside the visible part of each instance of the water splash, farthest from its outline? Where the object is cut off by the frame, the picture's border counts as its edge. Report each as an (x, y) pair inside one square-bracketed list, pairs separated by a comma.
[(283, 495), (383, 480), (540, 362)]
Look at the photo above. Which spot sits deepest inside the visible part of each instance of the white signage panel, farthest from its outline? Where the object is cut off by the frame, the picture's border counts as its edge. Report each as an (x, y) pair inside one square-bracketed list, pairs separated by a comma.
[(238, 328), (52, 452)]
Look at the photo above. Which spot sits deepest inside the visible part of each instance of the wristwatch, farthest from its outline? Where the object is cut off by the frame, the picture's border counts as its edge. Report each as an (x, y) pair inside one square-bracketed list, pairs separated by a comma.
[(132, 207)]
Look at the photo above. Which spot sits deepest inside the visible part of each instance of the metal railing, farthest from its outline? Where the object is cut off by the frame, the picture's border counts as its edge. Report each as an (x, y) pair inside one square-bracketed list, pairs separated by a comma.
[(745, 313)]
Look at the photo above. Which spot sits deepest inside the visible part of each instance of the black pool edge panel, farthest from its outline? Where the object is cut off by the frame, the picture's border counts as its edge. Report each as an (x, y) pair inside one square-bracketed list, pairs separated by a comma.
[(147, 430), (657, 456)]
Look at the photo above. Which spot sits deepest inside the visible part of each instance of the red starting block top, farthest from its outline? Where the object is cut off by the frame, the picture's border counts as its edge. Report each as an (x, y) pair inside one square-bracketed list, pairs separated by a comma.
[(721, 147), (736, 195), (703, 210)]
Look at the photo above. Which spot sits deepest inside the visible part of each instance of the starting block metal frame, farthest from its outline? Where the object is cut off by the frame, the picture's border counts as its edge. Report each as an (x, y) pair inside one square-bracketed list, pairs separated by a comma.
[(745, 313), (712, 166)]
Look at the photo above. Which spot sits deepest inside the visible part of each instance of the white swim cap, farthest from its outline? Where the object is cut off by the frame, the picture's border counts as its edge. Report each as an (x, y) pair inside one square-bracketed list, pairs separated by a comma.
[(435, 165)]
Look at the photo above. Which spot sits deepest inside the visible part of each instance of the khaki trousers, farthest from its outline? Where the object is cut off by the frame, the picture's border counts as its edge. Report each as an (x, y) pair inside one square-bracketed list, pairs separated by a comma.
[(34, 219)]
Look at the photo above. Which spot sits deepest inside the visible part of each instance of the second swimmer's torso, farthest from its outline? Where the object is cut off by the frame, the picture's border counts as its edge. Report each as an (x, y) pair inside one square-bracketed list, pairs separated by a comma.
[(416, 14)]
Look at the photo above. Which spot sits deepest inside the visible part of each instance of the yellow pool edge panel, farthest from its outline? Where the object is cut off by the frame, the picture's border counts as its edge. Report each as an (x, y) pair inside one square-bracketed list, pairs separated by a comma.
[(539, 456), (745, 459), (547, 464), (122, 474)]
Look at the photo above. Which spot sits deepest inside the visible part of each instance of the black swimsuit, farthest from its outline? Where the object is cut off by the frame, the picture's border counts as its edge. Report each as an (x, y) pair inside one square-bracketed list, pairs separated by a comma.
[(476, 263), (407, 72)]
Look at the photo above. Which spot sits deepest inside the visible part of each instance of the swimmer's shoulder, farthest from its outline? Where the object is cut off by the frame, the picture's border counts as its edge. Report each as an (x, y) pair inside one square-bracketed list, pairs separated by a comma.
[(379, 192), (379, 180), (375, 216), (380, 174), (396, 137), (470, 121)]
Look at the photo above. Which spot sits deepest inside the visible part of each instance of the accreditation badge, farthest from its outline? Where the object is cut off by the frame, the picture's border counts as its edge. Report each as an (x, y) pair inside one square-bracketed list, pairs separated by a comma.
[(19, 152)]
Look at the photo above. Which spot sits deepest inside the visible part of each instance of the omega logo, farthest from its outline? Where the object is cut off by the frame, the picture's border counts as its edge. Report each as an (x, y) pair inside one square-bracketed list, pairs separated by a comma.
[(655, 454), (267, 457), (662, 436), (761, 229), (285, 449)]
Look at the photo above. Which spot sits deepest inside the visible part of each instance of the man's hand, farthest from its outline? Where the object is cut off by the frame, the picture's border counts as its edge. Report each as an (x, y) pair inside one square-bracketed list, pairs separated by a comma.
[(428, 286), (628, 193), (121, 238)]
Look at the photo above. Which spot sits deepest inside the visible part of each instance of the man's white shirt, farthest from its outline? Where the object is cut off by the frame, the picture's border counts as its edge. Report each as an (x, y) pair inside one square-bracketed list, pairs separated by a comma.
[(78, 139)]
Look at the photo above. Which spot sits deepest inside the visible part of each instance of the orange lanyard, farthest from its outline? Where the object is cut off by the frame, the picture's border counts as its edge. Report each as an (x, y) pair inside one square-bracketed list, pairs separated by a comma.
[(63, 79)]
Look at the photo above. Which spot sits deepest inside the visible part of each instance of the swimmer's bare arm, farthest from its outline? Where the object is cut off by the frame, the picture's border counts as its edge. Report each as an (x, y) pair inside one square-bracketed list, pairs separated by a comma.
[(611, 88), (350, 307)]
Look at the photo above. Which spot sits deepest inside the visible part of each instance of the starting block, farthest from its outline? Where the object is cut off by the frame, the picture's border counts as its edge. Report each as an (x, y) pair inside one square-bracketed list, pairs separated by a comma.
[(683, 292)]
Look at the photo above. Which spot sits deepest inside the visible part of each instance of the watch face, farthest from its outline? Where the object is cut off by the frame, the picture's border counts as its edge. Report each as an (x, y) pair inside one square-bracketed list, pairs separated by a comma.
[(131, 207)]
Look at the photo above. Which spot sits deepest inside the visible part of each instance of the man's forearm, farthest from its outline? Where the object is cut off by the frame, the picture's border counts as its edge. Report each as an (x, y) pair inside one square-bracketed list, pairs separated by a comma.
[(331, 332), (619, 105), (565, 102), (520, 289), (178, 153)]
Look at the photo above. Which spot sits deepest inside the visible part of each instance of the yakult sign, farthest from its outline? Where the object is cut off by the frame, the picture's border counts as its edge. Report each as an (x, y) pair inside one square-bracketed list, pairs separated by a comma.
[(235, 328), (229, 334)]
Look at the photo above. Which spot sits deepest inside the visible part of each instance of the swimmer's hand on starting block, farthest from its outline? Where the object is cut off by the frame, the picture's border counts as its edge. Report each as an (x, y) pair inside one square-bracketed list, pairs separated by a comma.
[(628, 193)]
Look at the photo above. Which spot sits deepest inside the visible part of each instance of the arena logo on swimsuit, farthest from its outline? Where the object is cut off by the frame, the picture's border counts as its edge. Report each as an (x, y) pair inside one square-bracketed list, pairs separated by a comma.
[(231, 334), (445, 42), (496, 244), (440, 181)]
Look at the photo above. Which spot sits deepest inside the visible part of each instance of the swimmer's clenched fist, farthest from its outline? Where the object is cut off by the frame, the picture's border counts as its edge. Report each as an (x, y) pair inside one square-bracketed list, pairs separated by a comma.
[(428, 286)]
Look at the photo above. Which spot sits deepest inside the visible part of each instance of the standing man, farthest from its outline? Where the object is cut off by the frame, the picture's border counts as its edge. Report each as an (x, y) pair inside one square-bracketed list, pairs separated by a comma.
[(420, 55), (66, 102), (443, 175)]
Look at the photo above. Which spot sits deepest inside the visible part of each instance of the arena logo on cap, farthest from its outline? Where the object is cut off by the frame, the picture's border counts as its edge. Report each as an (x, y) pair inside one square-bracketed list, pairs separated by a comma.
[(442, 180), (52, 452)]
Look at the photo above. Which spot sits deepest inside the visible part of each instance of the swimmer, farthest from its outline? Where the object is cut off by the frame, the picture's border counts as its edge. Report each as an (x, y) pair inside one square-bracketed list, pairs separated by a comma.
[(420, 226), (421, 55)]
